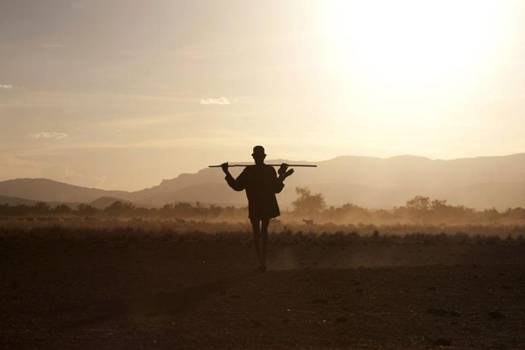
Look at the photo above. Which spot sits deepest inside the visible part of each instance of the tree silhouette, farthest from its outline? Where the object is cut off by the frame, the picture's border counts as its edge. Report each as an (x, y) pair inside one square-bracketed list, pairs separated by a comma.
[(62, 209), (418, 203), (86, 209), (308, 203)]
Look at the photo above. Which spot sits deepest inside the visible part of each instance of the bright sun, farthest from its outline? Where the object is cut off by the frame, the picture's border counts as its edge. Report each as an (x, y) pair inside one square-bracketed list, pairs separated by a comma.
[(414, 44)]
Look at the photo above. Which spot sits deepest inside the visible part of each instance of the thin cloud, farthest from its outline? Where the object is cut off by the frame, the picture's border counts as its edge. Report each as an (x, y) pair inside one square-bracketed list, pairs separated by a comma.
[(49, 135), (215, 101), (6, 86), (135, 122)]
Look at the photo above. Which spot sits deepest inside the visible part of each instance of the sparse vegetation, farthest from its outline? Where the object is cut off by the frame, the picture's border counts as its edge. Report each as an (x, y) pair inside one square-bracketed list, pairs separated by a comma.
[(309, 208)]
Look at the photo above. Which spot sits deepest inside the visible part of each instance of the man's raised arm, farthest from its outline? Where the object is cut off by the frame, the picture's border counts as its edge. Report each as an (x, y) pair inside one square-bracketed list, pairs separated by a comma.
[(237, 184), (284, 172)]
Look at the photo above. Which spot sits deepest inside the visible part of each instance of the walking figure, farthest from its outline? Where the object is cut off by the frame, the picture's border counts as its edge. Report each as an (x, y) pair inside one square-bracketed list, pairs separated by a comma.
[(261, 183)]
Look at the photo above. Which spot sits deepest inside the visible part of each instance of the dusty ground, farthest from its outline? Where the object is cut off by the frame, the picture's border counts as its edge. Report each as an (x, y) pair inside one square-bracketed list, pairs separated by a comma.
[(141, 292)]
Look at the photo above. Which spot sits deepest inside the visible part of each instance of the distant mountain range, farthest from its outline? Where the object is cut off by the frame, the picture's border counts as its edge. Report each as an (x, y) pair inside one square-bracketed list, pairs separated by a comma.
[(482, 182)]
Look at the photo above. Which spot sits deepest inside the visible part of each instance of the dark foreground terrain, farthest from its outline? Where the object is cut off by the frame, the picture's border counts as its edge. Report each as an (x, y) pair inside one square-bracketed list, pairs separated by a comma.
[(129, 290)]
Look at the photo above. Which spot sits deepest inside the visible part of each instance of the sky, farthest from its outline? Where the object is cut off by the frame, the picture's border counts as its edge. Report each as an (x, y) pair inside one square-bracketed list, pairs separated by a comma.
[(122, 94)]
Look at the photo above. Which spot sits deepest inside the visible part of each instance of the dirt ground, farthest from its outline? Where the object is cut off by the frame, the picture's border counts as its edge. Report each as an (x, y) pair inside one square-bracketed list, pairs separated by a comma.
[(171, 293)]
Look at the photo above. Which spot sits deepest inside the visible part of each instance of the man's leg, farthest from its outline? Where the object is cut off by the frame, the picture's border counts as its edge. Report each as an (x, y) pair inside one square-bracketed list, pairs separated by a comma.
[(257, 238), (264, 239)]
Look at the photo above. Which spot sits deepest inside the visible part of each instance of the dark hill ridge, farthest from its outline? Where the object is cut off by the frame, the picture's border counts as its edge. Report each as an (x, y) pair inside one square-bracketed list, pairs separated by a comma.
[(53, 191), (481, 182)]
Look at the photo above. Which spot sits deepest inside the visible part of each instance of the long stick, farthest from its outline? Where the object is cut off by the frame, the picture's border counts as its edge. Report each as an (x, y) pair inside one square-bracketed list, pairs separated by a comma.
[(244, 165)]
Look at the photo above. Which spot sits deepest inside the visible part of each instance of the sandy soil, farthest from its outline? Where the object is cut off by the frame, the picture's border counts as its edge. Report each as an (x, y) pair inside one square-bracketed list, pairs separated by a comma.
[(171, 293)]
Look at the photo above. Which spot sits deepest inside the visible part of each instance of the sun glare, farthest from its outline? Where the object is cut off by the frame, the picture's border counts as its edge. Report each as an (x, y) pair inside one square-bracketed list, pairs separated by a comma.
[(414, 44)]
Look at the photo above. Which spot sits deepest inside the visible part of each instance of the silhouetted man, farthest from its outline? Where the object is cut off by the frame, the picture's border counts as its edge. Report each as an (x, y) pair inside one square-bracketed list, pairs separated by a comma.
[(261, 184)]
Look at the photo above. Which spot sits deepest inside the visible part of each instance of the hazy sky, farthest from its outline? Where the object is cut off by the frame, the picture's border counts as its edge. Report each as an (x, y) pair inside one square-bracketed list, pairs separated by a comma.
[(120, 94)]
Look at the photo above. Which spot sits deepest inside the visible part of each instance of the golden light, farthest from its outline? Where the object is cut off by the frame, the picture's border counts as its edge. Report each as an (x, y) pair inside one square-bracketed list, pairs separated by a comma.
[(411, 45)]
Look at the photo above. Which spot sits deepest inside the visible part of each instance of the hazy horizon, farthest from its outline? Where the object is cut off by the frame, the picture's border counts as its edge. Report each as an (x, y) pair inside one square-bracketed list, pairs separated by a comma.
[(123, 94), (191, 172)]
